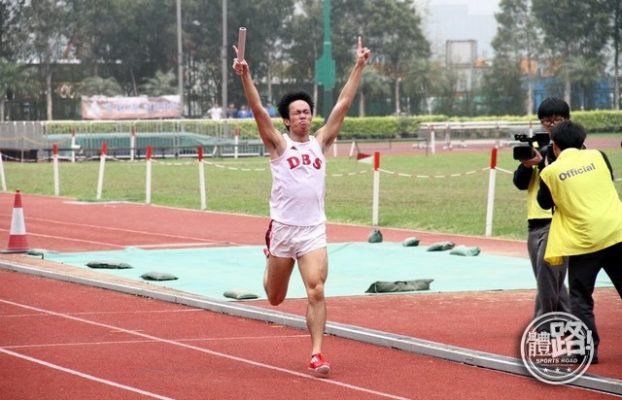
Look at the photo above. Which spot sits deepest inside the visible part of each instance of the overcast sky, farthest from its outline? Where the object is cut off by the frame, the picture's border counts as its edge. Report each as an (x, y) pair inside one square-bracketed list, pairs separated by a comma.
[(475, 6)]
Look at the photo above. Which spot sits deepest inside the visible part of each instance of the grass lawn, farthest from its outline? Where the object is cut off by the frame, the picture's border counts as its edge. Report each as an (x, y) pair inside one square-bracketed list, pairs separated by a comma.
[(452, 199)]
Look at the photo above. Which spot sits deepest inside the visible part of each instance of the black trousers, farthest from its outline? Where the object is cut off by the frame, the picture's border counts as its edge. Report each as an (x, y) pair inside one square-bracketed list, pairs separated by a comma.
[(552, 294), (582, 272)]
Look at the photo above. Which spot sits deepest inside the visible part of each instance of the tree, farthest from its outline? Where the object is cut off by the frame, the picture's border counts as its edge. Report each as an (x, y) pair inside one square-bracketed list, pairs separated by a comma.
[(615, 7), (304, 45), (372, 84), (10, 17), (137, 37), (518, 41), (14, 80), (424, 81), (98, 86), (391, 29), (265, 21), (130, 40), (442, 96), (202, 49), (393, 32), (502, 90), (288, 49), (585, 71), (269, 19), (572, 28), (8, 75), (44, 31), (163, 83)]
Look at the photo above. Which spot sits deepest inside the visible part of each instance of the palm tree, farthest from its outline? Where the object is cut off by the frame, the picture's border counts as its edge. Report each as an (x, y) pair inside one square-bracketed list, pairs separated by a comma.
[(163, 83), (98, 86), (585, 71), (372, 84), (426, 80), (14, 79)]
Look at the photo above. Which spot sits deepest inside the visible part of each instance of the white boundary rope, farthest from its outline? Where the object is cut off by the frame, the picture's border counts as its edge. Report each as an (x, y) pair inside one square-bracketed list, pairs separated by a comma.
[(335, 174)]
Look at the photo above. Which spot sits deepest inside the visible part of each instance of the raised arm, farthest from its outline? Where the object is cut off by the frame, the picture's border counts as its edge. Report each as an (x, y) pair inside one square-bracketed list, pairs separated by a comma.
[(327, 134), (270, 136)]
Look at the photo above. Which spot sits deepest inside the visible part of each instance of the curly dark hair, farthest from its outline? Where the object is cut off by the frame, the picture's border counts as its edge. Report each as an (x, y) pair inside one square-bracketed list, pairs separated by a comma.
[(289, 98)]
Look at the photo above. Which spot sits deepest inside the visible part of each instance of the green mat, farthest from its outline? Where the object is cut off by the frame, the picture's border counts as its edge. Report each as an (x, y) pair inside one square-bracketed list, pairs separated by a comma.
[(353, 267)]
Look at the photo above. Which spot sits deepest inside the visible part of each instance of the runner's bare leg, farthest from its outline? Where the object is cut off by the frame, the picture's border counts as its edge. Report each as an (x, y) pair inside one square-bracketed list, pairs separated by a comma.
[(276, 278), (314, 271)]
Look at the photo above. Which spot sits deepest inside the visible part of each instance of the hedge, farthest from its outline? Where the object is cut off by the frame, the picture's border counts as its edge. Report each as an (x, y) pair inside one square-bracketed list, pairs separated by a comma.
[(388, 127)]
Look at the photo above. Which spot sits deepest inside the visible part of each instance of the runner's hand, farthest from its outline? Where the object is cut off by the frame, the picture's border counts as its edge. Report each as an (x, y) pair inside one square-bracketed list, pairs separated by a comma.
[(362, 53), (239, 66)]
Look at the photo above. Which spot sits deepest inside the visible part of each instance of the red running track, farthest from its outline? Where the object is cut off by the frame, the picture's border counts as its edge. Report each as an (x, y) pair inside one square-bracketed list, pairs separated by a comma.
[(62, 224), (63, 340)]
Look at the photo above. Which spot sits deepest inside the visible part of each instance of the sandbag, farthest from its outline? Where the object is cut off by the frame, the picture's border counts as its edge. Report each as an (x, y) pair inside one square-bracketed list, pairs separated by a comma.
[(108, 265), (410, 242), (36, 252), (375, 236), (441, 246), (465, 251), (158, 276), (240, 294), (399, 286)]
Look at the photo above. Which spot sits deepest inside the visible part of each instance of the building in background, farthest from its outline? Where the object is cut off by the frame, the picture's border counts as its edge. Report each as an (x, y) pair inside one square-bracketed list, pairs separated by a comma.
[(444, 20)]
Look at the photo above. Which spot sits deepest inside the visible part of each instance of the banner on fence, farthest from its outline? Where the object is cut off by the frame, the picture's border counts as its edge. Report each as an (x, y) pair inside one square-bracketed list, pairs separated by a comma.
[(100, 107)]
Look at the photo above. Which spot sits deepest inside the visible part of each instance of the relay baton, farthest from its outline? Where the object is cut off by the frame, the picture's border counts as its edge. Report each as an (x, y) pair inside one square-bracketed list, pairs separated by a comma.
[(241, 43)]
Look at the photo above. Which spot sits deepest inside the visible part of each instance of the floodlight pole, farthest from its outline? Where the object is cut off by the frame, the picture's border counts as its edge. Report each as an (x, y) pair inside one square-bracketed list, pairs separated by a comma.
[(223, 57), (325, 65), (180, 60), (327, 103)]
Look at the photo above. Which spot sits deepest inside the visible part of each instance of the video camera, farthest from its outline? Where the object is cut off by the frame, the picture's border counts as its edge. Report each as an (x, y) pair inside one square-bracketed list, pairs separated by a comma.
[(526, 150)]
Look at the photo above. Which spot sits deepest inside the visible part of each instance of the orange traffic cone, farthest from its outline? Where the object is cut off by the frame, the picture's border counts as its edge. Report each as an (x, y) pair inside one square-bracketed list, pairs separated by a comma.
[(18, 243)]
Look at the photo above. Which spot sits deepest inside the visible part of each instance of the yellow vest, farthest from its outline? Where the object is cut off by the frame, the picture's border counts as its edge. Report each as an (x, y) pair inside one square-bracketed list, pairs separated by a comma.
[(588, 213), (534, 211)]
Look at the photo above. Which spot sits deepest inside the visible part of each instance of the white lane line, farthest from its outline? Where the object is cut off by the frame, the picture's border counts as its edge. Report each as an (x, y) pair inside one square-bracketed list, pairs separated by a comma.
[(100, 228), (146, 341), (96, 313), (211, 352), (123, 246), (67, 239), (180, 245), (83, 375)]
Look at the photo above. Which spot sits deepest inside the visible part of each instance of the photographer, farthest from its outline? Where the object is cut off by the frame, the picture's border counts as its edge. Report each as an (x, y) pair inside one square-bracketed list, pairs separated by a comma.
[(587, 222), (552, 294)]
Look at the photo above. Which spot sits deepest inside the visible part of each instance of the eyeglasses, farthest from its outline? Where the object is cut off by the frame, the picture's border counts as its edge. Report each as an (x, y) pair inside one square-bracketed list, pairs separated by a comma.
[(552, 121)]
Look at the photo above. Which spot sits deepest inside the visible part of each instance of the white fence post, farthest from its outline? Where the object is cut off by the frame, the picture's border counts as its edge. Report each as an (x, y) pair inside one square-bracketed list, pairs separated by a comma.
[(102, 166), (491, 191)]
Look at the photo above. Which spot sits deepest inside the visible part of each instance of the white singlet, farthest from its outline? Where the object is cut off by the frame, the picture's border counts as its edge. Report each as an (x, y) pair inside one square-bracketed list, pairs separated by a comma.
[(298, 184)]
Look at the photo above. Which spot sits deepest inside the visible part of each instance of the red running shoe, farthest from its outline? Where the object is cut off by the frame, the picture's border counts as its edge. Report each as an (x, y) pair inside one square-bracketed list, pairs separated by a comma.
[(319, 364)]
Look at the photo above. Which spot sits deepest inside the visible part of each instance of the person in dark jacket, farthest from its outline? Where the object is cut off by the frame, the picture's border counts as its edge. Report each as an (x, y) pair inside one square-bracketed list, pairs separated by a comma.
[(552, 294)]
